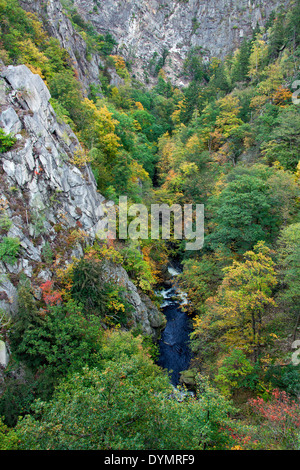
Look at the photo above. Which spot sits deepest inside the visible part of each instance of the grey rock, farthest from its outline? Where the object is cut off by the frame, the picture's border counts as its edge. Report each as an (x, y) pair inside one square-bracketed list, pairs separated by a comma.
[(31, 87), (10, 122), (4, 357), (145, 314), (53, 192), (145, 28)]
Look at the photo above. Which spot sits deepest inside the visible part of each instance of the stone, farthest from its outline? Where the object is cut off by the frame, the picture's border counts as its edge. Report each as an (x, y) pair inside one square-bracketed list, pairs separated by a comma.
[(10, 122), (3, 354), (32, 88), (188, 377)]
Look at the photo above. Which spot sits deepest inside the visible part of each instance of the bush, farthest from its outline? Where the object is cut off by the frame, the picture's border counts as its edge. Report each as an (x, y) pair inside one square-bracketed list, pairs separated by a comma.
[(96, 295), (5, 223), (6, 141), (8, 438), (9, 250)]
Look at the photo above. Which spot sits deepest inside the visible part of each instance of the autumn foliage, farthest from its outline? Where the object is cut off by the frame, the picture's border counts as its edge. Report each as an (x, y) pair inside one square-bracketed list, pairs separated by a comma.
[(280, 419), (50, 296)]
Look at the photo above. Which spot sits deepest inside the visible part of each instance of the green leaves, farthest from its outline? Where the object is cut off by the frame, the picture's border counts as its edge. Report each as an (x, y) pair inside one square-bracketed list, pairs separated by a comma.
[(9, 250), (250, 208), (8, 438), (128, 405), (7, 141)]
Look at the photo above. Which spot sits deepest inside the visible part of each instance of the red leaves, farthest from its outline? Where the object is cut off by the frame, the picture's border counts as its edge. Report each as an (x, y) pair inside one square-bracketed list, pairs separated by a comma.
[(50, 296), (281, 410)]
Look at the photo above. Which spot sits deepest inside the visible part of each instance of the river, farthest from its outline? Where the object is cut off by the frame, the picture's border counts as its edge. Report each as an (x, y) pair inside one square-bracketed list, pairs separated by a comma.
[(175, 354)]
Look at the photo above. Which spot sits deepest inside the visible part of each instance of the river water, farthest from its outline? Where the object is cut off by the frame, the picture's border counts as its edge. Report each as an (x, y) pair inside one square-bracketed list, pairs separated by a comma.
[(175, 354)]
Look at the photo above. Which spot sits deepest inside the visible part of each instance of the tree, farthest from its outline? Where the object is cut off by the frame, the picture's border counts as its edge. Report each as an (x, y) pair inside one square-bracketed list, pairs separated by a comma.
[(277, 39), (247, 209), (66, 89), (235, 314), (228, 120), (98, 129), (128, 405), (233, 373), (289, 261), (258, 57), (96, 294), (55, 341), (283, 141), (240, 72)]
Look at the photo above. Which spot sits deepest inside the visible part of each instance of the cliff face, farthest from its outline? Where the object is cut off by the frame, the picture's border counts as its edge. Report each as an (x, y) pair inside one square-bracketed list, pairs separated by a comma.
[(47, 203), (60, 27), (149, 30), (148, 27)]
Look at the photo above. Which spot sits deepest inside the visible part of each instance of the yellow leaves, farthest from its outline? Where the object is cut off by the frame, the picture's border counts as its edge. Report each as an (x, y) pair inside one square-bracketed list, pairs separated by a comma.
[(188, 168), (64, 277), (176, 114), (258, 101), (193, 143), (229, 104), (139, 105), (115, 304), (298, 172), (3, 5), (258, 55), (119, 62), (139, 174), (33, 58), (242, 299), (214, 63), (270, 87), (80, 158), (227, 120), (120, 66), (114, 93), (100, 128), (137, 125), (76, 236), (103, 251), (39, 33)]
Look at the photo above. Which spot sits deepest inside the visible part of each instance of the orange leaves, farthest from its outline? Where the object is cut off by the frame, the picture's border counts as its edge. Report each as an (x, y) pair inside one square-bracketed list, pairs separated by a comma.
[(282, 97), (51, 297)]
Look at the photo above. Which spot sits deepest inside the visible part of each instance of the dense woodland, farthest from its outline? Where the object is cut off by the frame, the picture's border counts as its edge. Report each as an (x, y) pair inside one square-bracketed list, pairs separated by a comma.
[(230, 141)]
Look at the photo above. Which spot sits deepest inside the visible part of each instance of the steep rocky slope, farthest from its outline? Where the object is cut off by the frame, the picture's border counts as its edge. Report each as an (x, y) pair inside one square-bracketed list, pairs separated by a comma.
[(46, 202), (145, 30)]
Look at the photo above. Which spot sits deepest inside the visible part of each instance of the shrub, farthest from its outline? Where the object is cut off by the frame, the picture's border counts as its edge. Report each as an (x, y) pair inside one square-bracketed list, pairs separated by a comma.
[(5, 223), (9, 250), (98, 296), (8, 438), (6, 141), (280, 418)]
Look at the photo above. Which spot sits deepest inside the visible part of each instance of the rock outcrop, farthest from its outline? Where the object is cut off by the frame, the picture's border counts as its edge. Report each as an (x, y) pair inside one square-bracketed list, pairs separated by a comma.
[(60, 27), (47, 204), (145, 313)]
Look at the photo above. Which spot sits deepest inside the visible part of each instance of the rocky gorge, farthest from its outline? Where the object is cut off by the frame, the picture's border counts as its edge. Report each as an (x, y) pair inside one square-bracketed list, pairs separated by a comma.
[(46, 201)]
